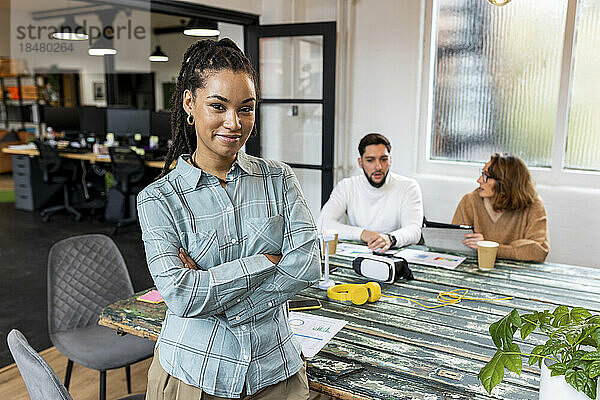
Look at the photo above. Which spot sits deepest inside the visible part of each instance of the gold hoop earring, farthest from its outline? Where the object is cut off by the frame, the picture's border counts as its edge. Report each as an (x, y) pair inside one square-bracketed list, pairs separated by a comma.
[(190, 119)]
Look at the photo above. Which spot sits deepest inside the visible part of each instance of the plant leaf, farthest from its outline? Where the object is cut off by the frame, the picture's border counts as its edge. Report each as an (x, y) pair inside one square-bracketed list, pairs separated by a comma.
[(555, 345), (576, 378), (526, 329), (573, 335), (513, 362), (596, 337), (492, 373), (579, 314), (561, 316), (591, 356), (536, 353), (557, 369), (594, 370), (502, 331), (590, 388), (544, 317)]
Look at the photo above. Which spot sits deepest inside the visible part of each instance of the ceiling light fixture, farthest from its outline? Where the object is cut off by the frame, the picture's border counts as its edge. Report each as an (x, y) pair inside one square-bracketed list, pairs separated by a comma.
[(499, 3), (102, 47), (201, 27), (158, 56), (70, 30)]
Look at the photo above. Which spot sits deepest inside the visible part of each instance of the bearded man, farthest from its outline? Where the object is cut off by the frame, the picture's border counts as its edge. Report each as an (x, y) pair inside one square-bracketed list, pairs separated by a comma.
[(379, 207)]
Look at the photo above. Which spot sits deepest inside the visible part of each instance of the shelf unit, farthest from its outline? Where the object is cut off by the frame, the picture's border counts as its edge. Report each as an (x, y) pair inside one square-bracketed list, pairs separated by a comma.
[(25, 108)]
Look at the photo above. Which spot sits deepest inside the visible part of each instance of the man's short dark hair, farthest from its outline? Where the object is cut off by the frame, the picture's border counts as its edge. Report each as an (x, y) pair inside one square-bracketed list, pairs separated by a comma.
[(373, 138)]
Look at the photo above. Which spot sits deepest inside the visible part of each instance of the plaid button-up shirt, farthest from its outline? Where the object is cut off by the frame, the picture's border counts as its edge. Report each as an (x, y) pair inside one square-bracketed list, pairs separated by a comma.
[(226, 326)]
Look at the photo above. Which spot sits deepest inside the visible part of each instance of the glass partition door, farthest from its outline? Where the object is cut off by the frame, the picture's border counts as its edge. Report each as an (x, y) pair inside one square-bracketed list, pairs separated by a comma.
[(296, 64)]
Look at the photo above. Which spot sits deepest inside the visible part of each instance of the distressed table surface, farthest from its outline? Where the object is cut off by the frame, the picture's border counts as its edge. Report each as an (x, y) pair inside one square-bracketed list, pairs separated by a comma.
[(393, 349)]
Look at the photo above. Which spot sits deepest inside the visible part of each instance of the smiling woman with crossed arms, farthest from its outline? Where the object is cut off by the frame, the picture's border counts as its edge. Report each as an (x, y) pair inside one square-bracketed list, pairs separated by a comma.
[(229, 239)]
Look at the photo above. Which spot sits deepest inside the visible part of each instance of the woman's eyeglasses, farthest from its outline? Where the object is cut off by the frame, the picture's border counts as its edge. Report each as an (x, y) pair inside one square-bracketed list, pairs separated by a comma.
[(486, 176)]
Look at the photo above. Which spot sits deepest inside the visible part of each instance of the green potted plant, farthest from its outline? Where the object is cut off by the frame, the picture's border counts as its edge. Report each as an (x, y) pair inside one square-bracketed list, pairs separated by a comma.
[(571, 352)]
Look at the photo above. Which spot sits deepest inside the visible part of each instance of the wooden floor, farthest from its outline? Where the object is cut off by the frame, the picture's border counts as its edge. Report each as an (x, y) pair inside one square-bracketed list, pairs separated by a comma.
[(84, 382)]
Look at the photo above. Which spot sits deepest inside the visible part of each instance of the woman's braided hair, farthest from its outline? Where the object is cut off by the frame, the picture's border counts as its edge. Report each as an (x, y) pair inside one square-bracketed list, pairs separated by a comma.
[(201, 59)]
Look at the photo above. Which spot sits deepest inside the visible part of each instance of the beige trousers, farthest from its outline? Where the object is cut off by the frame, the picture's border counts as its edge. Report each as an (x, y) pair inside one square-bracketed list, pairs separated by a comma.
[(162, 386)]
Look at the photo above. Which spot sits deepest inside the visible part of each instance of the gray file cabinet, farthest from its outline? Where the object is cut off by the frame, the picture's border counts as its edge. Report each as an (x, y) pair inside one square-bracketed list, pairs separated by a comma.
[(31, 192)]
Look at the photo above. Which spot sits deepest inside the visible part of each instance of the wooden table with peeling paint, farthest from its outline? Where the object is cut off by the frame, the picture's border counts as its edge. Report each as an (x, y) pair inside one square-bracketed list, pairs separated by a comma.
[(393, 349)]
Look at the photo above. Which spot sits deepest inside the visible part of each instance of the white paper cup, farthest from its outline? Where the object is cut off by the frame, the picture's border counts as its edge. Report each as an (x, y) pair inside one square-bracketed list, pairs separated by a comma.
[(486, 254), (332, 243)]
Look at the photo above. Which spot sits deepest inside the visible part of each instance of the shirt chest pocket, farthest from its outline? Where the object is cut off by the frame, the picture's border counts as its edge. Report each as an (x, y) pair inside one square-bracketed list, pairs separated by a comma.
[(265, 235), (203, 248)]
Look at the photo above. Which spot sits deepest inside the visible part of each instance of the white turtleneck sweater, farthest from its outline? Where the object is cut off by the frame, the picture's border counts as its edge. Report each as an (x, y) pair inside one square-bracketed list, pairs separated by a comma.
[(395, 208)]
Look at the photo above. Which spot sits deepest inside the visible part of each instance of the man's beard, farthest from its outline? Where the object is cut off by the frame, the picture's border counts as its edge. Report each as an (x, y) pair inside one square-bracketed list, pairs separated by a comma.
[(376, 184)]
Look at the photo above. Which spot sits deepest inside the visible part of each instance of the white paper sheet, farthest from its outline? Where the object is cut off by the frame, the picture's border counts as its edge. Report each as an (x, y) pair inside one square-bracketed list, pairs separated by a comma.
[(28, 146), (313, 331), (355, 250), (447, 261), (352, 250)]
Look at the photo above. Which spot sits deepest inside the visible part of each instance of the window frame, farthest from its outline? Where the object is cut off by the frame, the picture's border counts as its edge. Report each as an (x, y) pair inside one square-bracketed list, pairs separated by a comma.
[(556, 174)]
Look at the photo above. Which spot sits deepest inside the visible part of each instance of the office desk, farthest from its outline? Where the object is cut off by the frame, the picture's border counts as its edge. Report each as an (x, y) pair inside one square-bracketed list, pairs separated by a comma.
[(90, 157), (393, 349)]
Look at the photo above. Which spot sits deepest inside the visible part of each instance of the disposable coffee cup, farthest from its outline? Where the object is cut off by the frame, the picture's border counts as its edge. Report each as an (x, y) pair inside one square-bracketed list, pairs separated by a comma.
[(486, 254), (332, 243)]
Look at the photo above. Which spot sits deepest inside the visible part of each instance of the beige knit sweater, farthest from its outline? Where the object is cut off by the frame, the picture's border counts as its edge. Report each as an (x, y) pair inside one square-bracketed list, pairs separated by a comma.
[(522, 234)]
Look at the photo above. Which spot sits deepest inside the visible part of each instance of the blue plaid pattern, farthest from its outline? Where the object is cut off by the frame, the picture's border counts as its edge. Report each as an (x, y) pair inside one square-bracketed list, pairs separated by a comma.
[(226, 326)]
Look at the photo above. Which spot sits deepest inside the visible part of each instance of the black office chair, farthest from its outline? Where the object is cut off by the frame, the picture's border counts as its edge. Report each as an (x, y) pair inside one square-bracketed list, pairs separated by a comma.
[(128, 170), (54, 170)]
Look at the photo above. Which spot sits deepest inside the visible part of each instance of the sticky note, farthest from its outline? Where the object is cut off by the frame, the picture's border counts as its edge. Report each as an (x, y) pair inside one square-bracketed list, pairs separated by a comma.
[(151, 297)]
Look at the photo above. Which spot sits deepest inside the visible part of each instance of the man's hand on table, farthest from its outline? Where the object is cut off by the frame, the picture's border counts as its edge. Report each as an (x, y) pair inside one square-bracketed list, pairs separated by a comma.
[(376, 241), (189, 263)]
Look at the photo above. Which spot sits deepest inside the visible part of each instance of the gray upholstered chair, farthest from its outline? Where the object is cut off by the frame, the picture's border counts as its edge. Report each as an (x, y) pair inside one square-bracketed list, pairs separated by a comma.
[(40, 379), (86, 273)]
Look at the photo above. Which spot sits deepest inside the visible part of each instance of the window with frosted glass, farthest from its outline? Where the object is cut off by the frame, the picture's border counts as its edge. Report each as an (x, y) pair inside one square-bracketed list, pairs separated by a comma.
[(496, 79), (294, 66), (583, 135)]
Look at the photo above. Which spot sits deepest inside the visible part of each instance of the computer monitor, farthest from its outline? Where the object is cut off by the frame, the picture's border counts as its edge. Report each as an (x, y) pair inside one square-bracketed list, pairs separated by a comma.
[(19, 113), (93, 120), (127, 121), (160, 125), (61, 118)]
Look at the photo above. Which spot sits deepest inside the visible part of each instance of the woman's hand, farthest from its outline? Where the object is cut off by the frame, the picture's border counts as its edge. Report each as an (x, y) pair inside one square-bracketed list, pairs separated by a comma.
[(274, 258), (471, 240), (187, 260)]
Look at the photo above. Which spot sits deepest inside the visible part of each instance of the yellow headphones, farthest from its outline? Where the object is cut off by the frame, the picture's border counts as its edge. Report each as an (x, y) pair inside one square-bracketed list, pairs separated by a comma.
[(356, 293)]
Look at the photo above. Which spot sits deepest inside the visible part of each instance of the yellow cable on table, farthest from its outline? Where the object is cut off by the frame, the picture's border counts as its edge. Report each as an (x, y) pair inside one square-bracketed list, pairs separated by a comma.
[(448, 298)]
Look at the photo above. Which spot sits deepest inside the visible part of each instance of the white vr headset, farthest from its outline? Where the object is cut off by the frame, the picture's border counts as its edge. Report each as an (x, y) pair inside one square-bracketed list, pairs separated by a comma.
[(382, 269)]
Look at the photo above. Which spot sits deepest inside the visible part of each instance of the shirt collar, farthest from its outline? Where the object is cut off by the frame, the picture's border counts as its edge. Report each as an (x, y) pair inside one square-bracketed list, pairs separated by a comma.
[(247, 163), (191, 175)]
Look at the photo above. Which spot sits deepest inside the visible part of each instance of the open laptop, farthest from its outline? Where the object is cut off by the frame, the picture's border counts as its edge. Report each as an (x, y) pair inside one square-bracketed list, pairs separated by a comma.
[(447, 237)]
